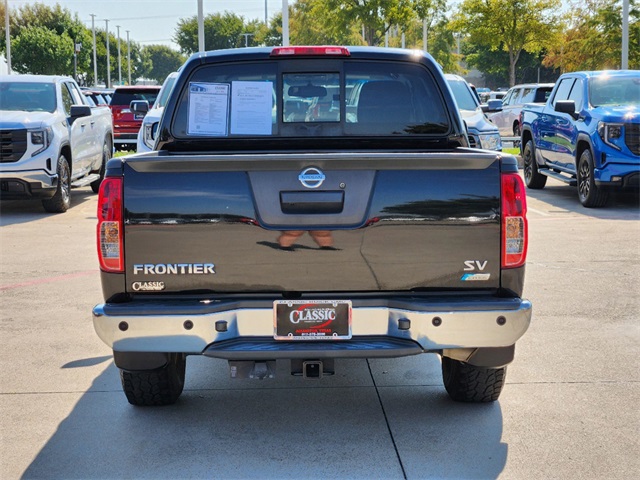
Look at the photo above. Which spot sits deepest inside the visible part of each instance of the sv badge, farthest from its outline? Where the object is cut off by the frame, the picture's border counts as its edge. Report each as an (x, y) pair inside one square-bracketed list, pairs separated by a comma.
[(474, 265)]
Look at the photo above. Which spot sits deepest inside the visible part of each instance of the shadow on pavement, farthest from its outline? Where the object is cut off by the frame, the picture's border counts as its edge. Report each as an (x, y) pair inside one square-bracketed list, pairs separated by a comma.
[(290, 433), (565, 198), (13, 212)]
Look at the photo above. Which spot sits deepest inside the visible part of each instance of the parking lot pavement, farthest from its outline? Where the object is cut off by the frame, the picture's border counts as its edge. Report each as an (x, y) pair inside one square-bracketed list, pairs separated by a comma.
[(569, 409)]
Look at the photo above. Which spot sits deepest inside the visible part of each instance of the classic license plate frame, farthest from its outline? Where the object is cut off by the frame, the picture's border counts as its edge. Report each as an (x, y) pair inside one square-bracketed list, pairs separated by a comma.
[(315, 320)]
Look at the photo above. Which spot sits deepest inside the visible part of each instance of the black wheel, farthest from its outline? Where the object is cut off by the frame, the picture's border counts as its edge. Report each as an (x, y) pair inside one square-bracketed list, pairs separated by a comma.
[(588, 192), (61, 200), (468, 383), (161, 386), (532, 177), (106, 156)]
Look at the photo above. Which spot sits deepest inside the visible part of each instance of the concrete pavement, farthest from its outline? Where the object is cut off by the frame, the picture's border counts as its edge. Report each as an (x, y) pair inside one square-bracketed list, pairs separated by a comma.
[(569, 409)]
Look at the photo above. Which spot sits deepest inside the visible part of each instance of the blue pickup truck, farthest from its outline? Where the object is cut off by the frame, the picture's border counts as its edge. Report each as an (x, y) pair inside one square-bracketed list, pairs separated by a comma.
[(586, 135)]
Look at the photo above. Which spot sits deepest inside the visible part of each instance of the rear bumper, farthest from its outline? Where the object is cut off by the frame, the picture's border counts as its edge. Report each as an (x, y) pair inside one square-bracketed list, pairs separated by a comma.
[(27, 184), (244, 330)]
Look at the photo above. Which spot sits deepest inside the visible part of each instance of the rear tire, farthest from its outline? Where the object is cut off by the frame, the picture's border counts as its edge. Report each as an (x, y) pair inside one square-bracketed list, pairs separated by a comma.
[(162, 386), (532, 177), (468, 383), (106, 156), (590, 195), (61, 200)]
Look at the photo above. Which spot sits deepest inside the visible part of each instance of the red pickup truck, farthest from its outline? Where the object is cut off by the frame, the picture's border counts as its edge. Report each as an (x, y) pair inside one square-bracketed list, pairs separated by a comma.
[(125, 122)]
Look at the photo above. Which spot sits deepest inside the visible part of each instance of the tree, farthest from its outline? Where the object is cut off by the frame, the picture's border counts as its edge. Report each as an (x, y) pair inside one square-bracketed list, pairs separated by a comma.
[(43, 40), (376, 16), (510, 25), (163, 60), (593, 37), (41, 51), (269, 35), (220, 31)]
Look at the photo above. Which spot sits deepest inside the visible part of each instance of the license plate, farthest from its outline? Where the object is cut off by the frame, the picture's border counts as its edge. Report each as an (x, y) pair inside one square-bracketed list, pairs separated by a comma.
[(138, 116), (312, 320)]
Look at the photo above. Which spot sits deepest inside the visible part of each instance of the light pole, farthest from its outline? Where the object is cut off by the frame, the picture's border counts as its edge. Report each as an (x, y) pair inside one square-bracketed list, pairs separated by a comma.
[(625, 35), (246, 38), (425, 35), (95, 61), (200, 27), (129, 56), (8, 35), (285, 23), (108, 55), (119, 62)]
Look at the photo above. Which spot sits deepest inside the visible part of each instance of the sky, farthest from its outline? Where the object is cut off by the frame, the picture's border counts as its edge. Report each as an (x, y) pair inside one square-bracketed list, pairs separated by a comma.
[(154, 21)]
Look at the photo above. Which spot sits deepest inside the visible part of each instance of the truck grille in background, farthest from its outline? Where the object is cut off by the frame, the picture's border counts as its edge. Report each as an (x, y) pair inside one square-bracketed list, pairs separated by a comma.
[(13, 144), (632, 137)]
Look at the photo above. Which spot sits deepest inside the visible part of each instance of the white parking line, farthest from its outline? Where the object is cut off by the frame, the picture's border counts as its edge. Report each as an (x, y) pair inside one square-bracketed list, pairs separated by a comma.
[(539, 212)]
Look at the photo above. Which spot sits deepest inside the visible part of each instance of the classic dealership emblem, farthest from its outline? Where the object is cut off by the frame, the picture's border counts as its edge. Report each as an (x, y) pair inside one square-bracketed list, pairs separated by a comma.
[(311, 177)]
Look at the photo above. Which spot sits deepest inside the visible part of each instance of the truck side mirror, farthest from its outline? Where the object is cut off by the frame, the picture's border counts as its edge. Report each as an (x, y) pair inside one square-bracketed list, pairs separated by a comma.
[(141, 107), (78, 111), (566, 106), (492, 106)]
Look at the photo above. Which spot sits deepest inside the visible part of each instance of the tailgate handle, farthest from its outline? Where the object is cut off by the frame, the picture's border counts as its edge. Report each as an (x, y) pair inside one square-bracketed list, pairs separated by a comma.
[(310, 203)]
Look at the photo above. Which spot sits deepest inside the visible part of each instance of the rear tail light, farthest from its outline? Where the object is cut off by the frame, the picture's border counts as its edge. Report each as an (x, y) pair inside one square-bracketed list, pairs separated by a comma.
[(515, 235), (319, 50), (110, 225)]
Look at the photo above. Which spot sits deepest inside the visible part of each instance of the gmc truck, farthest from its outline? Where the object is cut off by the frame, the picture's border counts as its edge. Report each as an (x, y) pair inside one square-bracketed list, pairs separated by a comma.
[(52, 139), (306, 205), (586, 135)]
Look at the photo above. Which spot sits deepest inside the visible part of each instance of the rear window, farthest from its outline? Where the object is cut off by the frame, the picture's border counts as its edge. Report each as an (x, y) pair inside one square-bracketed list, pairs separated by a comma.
[(352, 98), (124, 97)]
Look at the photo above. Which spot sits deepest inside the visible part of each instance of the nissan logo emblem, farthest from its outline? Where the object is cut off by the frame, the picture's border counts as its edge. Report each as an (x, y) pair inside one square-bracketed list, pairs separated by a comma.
[(311, 177)]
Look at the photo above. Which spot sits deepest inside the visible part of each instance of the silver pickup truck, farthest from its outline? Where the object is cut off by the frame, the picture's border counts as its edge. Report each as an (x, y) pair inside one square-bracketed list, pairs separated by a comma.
[(52, 139)]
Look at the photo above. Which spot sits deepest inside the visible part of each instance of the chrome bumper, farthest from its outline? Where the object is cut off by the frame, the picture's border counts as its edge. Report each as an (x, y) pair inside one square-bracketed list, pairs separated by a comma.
[(433, 326)]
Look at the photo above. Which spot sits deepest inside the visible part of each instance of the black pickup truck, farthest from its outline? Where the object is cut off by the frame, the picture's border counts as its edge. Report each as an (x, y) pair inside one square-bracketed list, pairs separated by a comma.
[(309, 204)]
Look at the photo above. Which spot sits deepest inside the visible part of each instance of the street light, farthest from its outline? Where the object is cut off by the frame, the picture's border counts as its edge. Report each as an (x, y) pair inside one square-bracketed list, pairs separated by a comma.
[(108, 55), (95, 61), (129, 56), (8, 35), (119, 62), (246, 38)]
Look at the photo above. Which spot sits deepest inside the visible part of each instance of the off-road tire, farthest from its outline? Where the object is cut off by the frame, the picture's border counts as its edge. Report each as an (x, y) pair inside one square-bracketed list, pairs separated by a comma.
[(161, 386), (61, 200), (590, 195), (532, 177), (468, 383), (106, 156)]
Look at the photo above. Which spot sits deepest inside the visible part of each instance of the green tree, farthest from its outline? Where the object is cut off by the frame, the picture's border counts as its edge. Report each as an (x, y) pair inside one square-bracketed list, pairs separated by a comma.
[(163, 59), (377, 17), (312, 23), (41, 51), (220, 31), (593, 37), (510, 25), (269, 35), (36, 23)]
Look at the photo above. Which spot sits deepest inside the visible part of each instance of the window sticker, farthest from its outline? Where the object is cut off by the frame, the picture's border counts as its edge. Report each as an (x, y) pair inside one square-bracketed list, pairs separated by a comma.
[(252, 105), (208, 109)]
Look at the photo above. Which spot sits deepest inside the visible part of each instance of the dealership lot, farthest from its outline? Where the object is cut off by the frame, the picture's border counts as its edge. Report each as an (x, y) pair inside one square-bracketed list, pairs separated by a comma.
[(569, 409)]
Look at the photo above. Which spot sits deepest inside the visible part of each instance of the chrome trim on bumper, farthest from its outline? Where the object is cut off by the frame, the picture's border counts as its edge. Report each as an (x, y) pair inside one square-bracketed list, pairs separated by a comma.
[(464, 327)]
